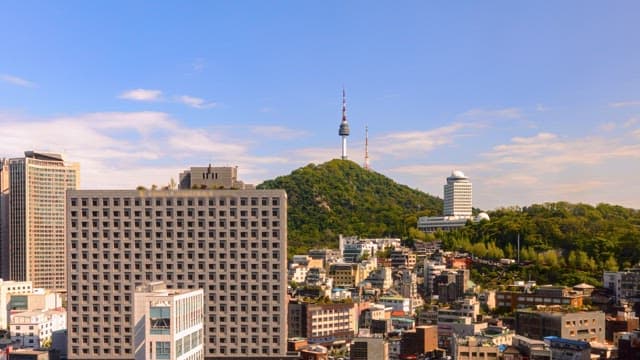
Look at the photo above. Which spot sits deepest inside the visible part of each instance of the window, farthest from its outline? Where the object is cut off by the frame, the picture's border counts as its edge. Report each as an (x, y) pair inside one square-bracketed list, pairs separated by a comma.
[(163, 350), (160, 322)]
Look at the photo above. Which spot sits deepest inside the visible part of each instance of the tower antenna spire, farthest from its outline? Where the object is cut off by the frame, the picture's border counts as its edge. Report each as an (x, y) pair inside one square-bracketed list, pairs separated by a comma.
[(344, 125), (366, 148)]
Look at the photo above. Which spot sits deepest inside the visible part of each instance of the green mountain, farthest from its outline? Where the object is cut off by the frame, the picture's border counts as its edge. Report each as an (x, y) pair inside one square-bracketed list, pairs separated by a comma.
[(340, 197)]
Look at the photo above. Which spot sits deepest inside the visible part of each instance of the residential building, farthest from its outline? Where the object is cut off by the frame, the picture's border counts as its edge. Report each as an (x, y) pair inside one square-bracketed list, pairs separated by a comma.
[(346, 275), (567, 349), (36, 327), (169, 323), (212, 177), (380, 278), (419, 341), (542, 295), (625, 284), (484, 345), (403, 257), (624, 321), (37, 186), (314, 352), (230, 243), (554, 321), (322, 323), (397, 303), (369, 348), (6, 289)]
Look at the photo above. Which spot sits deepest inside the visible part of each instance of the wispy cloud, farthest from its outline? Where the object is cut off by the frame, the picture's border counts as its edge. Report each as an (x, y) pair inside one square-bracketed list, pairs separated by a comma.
[(14, 80), (195, 102), (409, 143), (625, 103), (126, 149), (141, 95)]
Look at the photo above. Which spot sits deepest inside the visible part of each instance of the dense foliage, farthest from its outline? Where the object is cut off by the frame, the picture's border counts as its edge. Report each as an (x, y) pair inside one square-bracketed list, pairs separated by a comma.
[(560, 242), (340, 197)]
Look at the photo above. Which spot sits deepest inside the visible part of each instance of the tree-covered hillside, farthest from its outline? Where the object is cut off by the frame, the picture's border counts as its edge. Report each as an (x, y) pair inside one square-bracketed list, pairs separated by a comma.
[(340, 197), (562, 242)]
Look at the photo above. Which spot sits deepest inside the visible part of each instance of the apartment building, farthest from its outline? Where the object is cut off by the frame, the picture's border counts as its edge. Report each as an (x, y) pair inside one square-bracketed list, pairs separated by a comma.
[(36, 237), (230, 243), (169, 323)]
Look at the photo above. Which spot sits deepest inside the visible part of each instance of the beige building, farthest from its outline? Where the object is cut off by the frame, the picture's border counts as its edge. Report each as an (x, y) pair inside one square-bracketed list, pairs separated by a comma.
[(346, 275), (322, 323), (212, 177), (169, 323), (37, 186), (230, 243), (35, 328), (7, 288)]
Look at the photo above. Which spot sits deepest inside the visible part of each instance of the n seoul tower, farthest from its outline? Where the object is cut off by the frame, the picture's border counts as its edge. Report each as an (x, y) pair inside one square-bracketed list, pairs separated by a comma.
[(344, 126)]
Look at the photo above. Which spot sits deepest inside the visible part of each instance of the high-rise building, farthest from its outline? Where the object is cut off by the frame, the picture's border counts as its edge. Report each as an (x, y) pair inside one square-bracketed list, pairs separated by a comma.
[(457, 195), (4, 218), (230, 243), (457, 206), (37, 186)]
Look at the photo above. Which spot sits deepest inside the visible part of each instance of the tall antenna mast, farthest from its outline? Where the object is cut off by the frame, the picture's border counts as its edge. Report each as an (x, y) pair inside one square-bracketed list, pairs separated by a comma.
[(366, 148)]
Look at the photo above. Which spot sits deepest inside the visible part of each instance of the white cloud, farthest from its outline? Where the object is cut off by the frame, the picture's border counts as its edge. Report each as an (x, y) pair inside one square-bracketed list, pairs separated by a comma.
[(542, 108), (195, 102), (141, 95), (11, 79), (198, 65), (126, 149), (410, 143), (625, 103)]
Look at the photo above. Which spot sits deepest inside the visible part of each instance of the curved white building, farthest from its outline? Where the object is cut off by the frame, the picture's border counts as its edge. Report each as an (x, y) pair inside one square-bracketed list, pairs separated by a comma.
[(457, 195)]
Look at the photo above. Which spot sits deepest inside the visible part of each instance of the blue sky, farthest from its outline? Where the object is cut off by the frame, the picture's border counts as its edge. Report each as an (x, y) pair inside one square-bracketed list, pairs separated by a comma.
[(535, 101)]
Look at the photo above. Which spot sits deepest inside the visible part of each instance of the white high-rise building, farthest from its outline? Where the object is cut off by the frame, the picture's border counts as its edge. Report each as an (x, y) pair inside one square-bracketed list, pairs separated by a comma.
[(457, 206), (457, 195)]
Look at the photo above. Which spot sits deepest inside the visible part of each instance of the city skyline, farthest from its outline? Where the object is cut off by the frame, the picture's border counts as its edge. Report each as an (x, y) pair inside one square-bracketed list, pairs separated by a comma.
[(534, 102)]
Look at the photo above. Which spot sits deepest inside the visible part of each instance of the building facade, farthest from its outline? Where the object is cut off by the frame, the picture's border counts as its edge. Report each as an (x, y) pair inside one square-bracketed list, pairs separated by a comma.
[(322, 323), (457, 195), (7, 288), (230, 243), (169, 323), (37, 186), (35, 328), (581, 325), (212, 177)]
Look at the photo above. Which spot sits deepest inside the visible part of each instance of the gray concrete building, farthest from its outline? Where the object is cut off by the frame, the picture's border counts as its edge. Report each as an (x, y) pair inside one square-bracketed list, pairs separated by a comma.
[(36, 217), (4, 219), (230, 243), (586, 326), (212, 177)]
